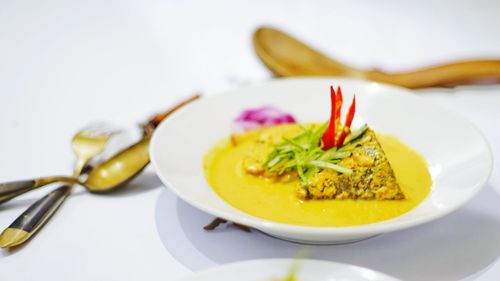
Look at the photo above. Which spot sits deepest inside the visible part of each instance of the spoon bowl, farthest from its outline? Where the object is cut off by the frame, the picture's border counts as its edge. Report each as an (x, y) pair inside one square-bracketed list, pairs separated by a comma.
[(120, 169)]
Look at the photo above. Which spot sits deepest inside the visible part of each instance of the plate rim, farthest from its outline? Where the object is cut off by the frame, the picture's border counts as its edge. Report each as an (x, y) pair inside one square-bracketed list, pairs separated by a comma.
[(223, 267)]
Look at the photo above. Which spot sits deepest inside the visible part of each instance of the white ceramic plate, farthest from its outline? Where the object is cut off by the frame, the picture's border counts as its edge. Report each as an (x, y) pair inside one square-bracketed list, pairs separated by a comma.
[(458, 156), (274, 269)]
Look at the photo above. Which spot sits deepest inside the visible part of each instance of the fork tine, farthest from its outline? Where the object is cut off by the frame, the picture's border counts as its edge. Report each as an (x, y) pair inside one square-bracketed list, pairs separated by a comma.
[(96, 129)]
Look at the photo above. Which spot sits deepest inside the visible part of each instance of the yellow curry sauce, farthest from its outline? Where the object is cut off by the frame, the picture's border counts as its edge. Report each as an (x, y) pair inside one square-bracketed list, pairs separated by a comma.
[(277, 201)]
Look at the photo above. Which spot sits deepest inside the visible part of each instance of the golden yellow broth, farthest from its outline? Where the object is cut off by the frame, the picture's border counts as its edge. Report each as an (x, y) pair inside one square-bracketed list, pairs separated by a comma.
[(276, 201)]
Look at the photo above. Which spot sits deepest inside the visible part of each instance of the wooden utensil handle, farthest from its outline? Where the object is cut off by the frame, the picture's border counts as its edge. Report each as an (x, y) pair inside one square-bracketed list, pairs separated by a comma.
[(458, 73), (13, 189)]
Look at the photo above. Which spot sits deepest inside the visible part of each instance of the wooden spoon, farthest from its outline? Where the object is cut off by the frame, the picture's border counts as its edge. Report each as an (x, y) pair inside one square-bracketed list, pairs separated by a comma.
[(286, 56)]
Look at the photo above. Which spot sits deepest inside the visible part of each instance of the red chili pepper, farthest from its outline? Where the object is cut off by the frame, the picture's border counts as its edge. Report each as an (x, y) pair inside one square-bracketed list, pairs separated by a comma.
[(348, 122), (338, 107), (329, 134)]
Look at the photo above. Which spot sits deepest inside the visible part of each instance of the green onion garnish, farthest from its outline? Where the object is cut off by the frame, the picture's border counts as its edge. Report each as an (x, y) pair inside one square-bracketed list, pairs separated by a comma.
[(327, 165), (304, 155)]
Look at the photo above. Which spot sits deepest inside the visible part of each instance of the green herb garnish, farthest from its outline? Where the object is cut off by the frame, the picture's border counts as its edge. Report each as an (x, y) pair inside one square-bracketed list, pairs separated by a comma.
[(304, 155)]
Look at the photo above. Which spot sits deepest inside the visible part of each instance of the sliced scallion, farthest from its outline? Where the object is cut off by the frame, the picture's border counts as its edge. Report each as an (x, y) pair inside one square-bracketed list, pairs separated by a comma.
[(328, 165)]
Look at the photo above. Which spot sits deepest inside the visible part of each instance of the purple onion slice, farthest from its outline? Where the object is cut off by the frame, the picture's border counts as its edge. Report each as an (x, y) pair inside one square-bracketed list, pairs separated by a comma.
[(261, 117)]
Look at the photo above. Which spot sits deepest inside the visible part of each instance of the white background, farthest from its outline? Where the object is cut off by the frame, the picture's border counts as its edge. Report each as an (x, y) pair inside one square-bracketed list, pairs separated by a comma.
[(65, 64)]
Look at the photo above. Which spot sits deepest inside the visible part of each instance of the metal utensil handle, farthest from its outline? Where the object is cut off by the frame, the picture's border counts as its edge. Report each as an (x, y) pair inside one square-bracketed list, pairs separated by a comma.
[(40, 211), (13, 189), (33, 218)]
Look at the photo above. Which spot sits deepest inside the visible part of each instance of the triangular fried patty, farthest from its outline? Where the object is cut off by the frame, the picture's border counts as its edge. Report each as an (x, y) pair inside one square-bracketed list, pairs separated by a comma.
[(372, 177)]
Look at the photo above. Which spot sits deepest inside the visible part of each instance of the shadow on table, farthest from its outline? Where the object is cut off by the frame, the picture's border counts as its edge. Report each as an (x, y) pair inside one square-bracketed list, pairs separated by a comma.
[(455, 247)]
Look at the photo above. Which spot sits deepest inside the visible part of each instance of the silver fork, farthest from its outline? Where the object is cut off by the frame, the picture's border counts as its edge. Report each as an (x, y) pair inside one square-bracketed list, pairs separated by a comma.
[(89, 143)]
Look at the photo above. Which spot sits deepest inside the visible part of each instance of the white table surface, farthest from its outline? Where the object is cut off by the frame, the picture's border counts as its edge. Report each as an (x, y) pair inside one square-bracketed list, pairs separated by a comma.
[(64, 64)]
